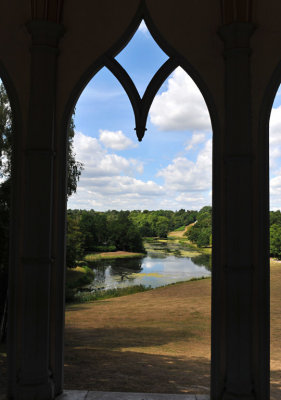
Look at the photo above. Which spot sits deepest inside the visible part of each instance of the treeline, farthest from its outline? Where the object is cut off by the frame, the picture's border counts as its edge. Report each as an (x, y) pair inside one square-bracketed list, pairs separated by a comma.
[(201, 232), (159, 223), (93, 231), (275, 234)]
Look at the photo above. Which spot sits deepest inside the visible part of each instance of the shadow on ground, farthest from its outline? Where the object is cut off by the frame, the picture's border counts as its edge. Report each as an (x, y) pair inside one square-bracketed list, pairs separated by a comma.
[(3, 371), (120, 359), (122, 337), (275, 385), (135, 372)]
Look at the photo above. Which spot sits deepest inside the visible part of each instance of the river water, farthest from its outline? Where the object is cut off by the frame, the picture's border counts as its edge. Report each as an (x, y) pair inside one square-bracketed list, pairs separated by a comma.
[(166, 261)]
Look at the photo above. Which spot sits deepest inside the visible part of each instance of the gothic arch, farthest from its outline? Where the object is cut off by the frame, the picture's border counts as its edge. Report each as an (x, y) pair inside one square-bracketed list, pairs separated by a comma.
[(263, 143), (240, 172), (107, 60), (264, 204), (175, 60)]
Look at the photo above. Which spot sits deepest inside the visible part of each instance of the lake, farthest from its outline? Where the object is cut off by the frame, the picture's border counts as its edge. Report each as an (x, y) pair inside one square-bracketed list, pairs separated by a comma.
[(166, 261)]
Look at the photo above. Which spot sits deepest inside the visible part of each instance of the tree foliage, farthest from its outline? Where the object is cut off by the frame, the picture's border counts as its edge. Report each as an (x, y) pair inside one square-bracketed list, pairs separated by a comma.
[(74, 169), (275, 234), (119, 230), (91, 231), (275, 241), (6, 138), (74, 240), (160, 222), (201, 232)]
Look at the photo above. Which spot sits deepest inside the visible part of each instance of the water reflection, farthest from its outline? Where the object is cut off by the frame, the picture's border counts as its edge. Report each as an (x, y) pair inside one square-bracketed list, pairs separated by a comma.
[(166, 262), (203, 260)]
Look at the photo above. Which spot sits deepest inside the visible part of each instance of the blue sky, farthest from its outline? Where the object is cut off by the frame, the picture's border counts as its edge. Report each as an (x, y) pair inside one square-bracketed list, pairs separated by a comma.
[(171, 167)]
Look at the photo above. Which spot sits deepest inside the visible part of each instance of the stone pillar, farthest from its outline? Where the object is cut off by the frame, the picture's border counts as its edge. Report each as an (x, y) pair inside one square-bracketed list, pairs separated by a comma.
[(34, 376), (238, 206)]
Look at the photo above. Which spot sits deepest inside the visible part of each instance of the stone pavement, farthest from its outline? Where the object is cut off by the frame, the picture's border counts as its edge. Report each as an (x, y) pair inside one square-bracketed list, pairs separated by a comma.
[(89, 395)]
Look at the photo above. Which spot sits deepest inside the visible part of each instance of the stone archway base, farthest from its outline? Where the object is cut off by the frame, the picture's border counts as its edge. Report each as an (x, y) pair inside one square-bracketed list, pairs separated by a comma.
[(90, 395)]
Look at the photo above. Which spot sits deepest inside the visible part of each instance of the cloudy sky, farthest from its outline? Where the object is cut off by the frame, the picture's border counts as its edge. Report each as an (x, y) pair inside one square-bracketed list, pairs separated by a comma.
[(171, 167)]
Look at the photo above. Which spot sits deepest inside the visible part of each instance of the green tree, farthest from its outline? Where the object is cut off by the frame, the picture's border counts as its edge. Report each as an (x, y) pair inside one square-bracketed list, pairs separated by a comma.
[(201, 232), (5, 169), (275, 241), (74, 167), (124, 234), (94, 229), (275, 217), (6, 144), (74, 241), (162, 226)]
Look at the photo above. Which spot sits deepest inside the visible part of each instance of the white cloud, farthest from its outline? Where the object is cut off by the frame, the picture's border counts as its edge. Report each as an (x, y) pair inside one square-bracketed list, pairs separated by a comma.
[(98, 162), (122, 185), (181, 107), (116, 140), (184, 175), (91, 94), (275, 126), (197, 138), (275, 137), (110, 181), (122, 192), (275, 192), (86, 146)]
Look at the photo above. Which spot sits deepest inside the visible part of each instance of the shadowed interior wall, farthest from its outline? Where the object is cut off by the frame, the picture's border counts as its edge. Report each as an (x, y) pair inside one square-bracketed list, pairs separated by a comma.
[(190, 29)]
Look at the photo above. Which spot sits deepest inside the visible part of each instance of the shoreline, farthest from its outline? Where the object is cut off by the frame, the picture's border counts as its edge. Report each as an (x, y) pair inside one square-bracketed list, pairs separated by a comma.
[(112, 255), (88, 297)]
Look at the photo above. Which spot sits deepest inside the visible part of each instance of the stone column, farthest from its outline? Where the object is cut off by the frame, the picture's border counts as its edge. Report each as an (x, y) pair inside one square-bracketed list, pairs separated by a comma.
[(238, 199), (35, 378)]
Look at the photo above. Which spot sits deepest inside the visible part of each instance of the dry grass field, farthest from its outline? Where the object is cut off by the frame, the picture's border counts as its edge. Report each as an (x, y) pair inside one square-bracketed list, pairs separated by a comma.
[(156, 341), (275, 323)]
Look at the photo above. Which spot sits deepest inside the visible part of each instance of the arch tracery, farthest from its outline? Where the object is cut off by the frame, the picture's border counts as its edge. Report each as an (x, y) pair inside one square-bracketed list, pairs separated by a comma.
[(258, 358), (141, 105)]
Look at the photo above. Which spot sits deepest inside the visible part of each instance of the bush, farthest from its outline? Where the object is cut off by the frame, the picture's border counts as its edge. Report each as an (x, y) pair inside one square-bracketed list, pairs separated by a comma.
[(79, 276), (275, 241), (81, 263), (105, 249), (107, 294)]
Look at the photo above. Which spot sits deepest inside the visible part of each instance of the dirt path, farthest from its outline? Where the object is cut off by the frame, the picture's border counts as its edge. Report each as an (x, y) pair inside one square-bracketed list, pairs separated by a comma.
[(179, 234)]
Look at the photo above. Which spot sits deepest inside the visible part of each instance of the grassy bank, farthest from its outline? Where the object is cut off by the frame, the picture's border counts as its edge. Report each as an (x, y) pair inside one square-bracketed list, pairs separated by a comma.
[(79, 276), (185, 242), (157, 341), (203, 250), (76, 278), (180, 229), (112, 255), (180, 236), (83, 297)]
